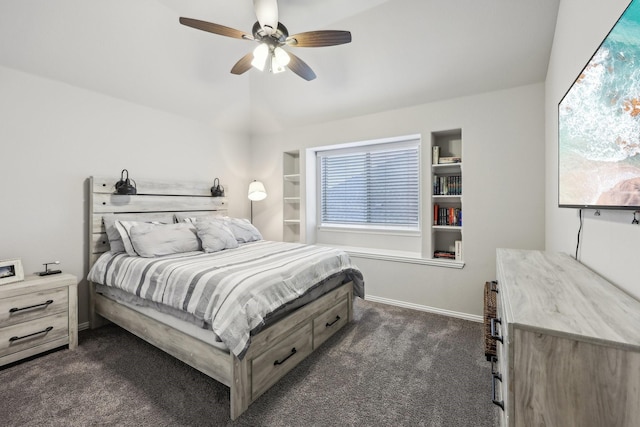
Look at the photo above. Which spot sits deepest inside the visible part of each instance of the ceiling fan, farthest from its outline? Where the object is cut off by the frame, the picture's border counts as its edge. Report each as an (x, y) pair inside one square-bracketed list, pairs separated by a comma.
[(272, 36)]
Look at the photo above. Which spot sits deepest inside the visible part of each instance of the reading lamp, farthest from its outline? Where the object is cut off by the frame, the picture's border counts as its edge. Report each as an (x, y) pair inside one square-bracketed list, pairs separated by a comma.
[(256, 193), (124, 186)]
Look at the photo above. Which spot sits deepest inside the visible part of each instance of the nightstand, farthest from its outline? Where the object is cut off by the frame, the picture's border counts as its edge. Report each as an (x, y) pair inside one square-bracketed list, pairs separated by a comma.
[(38, 314)]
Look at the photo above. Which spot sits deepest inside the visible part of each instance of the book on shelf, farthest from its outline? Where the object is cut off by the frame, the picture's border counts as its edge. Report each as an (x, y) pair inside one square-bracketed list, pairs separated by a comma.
[(449, 185), (458, 250), (447, 216), (444, 254), (435, 157), (449, 159)]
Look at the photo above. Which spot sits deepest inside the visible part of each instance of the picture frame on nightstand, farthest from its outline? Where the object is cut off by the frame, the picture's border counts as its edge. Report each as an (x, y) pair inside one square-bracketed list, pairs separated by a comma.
[(11, 271)]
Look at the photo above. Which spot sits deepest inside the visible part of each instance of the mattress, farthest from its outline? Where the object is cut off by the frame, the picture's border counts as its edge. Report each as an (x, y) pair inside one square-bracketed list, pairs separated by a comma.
[(192, 329)]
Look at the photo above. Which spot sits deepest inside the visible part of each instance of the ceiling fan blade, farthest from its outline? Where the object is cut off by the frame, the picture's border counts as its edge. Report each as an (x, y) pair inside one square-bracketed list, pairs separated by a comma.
[(267, 14), (300, 67), (243, 65), (215, 28), (319, 38)]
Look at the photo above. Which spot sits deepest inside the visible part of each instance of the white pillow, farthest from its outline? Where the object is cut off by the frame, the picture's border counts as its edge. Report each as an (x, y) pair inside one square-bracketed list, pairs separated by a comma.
[(115, 240), (124, 229), (243, 230), (215, 236), (154, 240), (194, 216)]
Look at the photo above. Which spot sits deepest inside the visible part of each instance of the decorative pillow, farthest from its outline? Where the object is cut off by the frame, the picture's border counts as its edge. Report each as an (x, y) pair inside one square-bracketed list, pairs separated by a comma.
[(124, 228), (194, 216), (243, 230), (115, 240), (215, 236), (154, 240)]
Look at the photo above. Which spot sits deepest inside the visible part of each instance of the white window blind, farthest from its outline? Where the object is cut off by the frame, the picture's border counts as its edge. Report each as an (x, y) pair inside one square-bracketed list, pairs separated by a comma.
[(373, 185)]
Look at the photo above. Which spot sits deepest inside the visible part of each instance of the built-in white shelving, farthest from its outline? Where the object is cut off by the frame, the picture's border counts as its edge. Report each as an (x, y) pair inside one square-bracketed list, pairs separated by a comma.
[(446, 196), (291, 196)]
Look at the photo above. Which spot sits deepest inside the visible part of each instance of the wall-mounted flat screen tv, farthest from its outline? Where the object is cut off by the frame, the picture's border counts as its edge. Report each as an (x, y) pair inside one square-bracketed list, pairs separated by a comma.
[(599, 124)]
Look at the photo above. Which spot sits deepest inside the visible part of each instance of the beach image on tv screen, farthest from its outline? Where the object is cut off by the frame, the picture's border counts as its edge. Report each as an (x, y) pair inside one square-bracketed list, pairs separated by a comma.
[(599, 123)]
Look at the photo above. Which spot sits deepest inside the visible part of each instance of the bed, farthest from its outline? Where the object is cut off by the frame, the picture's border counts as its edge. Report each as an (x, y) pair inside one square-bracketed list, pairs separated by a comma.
[(276, 339)]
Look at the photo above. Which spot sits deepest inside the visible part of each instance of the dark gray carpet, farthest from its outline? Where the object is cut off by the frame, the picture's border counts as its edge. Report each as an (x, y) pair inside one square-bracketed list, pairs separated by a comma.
[(391, 367)]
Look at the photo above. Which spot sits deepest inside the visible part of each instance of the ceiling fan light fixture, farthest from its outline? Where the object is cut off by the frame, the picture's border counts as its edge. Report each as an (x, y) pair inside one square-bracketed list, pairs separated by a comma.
[(260, 54), (271, 35), (281, 56), (275, 66), (279, 60)]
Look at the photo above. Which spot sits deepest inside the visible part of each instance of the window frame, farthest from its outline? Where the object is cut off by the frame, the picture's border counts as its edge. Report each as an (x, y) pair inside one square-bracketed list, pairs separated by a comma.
[(387, 144)]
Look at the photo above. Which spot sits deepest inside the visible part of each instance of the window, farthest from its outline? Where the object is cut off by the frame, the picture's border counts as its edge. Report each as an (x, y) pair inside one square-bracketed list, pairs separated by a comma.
[(370, 186)]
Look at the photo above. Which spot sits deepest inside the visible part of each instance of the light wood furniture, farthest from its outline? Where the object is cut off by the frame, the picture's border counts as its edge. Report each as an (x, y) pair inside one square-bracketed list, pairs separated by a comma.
[(445, 234), (568, 344), (272, 353), (36, 315), (291, 196)]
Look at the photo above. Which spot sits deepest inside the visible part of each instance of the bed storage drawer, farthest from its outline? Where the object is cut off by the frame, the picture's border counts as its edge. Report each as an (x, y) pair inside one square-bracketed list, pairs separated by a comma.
[(22, 308), (274, 363), (329, 322)]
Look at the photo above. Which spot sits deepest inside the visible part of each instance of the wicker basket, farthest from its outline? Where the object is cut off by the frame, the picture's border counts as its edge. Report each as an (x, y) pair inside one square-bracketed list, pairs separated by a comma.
[(490, 307)]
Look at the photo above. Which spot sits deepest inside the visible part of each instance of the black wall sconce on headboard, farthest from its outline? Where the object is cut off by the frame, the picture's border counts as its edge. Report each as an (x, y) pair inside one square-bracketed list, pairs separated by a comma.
[(217, 190), (124, 186)]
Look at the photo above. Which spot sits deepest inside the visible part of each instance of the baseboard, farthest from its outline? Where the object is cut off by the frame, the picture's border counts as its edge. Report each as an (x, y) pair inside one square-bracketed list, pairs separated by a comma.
[(82, 326), (459, 315)]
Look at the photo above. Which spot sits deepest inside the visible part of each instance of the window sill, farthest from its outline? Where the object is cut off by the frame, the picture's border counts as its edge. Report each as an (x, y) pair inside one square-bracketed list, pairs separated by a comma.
[(396, 256)]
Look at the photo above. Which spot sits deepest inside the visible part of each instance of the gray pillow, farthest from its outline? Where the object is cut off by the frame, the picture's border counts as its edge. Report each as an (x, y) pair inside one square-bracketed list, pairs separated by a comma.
[(124, 228), (243, 230), (154, 240), (215, 236), (115, 241), (194, 216)]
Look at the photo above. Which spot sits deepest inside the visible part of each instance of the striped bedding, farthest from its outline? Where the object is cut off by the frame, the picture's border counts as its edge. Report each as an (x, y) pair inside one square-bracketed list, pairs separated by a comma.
[(233, 290)]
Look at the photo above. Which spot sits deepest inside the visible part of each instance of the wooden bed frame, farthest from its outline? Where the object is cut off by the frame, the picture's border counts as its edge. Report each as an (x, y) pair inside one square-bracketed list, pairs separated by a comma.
[(273, 352)]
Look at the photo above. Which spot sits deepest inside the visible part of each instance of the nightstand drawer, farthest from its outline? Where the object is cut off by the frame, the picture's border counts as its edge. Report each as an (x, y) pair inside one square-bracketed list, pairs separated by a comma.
[(23, 308), (33, 333)]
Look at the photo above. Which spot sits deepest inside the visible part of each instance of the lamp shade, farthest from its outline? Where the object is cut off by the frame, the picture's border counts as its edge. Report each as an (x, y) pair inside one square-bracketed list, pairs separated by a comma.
[(257, 191), (281, 56), (260, 54), (279, 60)]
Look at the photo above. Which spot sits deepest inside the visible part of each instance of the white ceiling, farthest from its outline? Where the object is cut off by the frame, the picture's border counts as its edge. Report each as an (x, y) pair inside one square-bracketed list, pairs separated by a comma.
[(404, 52)]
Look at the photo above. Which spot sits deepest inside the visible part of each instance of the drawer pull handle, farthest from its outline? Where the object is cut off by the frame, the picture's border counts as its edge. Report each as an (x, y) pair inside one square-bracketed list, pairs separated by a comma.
[(494, 361), (331, 323), (44, 304), (280, 362), (44, 331), (494, 335), (493, 287), (499, 403)]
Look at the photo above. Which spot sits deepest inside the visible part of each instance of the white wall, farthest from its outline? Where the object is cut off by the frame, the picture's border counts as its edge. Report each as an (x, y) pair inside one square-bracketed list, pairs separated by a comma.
[(609, 243), (503, 150), (54, 136)]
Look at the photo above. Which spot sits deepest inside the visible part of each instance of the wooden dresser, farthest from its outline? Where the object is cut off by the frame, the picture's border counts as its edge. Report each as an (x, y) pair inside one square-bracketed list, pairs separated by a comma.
[(36, 315), (568, 344)]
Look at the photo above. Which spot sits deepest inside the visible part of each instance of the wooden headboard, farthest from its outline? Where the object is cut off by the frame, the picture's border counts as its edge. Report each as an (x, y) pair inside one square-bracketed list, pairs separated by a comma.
[(154, 198)]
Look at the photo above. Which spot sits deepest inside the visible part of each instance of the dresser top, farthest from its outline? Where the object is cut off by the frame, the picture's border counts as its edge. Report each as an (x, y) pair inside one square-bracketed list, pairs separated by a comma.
[(554, 293)]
